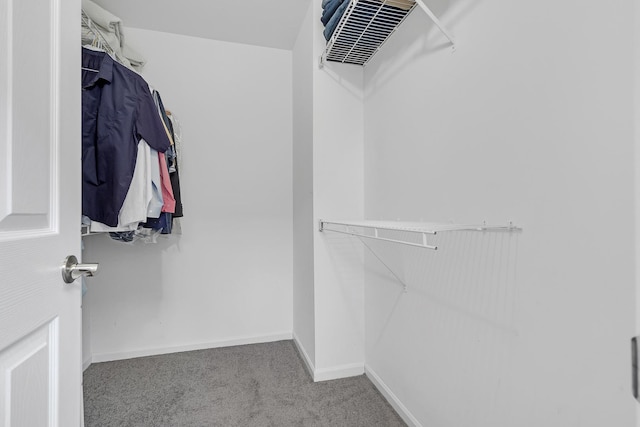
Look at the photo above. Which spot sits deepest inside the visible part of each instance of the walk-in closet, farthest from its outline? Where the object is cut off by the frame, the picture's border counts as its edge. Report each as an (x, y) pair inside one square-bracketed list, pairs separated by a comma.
[(319, 212)]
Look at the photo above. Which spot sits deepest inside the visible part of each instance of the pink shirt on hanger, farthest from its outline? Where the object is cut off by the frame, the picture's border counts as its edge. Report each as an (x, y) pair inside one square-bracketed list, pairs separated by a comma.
[(167, 191)]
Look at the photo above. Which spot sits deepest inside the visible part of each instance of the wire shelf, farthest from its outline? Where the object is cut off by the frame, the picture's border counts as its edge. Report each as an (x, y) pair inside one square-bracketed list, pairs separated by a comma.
[(371, 230), (363, 29), (367, 24)]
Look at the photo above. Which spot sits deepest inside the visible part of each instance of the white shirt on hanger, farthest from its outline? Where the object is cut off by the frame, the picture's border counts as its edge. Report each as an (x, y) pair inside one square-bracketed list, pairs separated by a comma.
[(155, 205), (136, 203)]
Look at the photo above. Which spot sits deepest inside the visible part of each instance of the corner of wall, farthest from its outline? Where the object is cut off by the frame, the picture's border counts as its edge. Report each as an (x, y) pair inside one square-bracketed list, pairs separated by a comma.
[(393, 400), (86, 363), (302, 187), (308, 362), (326, 374), (337, 372), (338, 193)]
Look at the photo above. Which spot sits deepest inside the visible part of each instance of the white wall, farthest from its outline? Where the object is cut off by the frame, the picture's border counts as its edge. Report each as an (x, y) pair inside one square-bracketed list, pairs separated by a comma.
[(303, 224), (228, 278), (338, 132), (529, 120), (328, 184)]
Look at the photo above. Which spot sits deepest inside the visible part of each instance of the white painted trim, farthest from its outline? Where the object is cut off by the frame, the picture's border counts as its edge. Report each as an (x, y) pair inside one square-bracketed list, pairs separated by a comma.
[(107, 357), (304, 355), (87, 362), (393, 400), (326, 374), (343, 371)]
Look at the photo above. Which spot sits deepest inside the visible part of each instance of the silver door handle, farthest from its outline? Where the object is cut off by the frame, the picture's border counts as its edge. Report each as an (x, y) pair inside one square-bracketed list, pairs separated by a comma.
[(71, 270)]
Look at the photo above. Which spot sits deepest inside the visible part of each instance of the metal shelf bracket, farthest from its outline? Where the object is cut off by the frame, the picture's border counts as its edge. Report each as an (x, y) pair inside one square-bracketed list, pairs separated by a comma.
[(371, 230), (436, 21)]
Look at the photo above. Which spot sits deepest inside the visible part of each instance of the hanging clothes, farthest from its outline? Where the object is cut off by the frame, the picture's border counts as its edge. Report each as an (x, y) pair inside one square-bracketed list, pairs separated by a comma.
[(111, 29), (134, 208), (130, 181), (154, 209), (117, 112), (171, 155), (167, 192)]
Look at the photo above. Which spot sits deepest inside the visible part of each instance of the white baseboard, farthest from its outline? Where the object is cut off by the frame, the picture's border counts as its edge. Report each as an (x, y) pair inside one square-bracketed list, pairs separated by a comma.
[(108, 357), (333, 373), (327, 374), (87, 362), (305, 356), (393, 400)]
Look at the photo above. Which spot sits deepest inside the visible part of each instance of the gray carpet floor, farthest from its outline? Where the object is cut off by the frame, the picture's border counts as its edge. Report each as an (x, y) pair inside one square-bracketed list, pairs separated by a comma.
[(257, 385)]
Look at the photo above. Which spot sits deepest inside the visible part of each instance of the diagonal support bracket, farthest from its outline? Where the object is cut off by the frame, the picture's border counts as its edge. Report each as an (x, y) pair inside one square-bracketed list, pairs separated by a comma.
[(404, 285), (436, 21)]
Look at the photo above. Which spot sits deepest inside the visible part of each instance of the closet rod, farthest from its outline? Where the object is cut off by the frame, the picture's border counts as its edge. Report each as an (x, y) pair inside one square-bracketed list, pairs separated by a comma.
[(422, 229)]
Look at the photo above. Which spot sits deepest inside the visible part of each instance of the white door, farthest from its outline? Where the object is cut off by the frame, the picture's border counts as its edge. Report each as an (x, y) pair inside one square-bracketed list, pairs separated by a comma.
[(40, 122)]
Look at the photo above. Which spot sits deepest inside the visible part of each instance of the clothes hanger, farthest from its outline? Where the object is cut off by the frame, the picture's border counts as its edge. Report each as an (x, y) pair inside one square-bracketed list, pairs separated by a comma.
[(93, 46)]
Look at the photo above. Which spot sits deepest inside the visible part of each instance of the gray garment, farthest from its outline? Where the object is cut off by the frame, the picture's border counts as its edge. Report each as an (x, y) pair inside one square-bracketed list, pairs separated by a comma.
[(111, 28)]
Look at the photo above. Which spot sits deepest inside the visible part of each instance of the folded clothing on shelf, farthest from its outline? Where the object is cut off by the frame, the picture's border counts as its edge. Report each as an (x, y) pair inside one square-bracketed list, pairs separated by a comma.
[(400, 4), (332, 14), (329, 8), (333, 10)]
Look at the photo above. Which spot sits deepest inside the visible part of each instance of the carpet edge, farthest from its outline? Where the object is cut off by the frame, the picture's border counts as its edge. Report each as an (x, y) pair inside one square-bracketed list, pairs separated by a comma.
[(258, 339)]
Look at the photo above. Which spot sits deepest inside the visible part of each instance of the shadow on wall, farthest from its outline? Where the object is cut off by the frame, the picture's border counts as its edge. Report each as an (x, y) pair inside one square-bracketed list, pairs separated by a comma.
[(344, 75), (418, 37), (453, 332), (472, 274), (129, 274), (345, 255), (454, 329)]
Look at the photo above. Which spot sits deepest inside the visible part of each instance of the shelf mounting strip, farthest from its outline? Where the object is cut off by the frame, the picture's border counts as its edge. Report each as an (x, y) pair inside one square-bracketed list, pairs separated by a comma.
[(371, 230), (365, 27)]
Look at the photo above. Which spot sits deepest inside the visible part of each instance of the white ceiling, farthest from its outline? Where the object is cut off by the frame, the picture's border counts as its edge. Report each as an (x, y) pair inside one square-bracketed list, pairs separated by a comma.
[(269, 23)]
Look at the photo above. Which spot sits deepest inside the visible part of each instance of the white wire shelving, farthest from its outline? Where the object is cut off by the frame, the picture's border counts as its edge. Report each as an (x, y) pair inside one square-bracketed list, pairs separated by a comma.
[(365, 27), (407, 233)]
